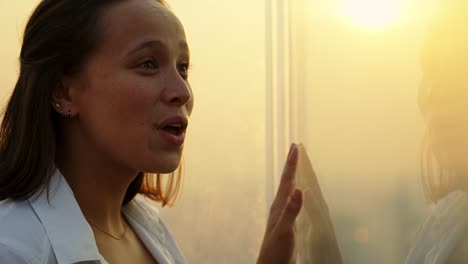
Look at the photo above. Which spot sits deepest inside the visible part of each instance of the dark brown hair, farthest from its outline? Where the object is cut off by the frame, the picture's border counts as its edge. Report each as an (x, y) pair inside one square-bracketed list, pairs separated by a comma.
[(59, 37)]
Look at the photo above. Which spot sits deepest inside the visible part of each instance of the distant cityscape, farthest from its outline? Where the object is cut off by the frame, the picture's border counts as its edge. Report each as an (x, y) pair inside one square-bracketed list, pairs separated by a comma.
[(230, 230)]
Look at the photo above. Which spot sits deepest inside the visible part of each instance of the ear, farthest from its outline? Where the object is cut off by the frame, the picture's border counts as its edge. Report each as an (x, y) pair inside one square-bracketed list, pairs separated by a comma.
[(62, 101)]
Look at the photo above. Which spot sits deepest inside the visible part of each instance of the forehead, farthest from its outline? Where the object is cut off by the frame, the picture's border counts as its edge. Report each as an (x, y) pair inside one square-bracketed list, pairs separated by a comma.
[(129, 22)]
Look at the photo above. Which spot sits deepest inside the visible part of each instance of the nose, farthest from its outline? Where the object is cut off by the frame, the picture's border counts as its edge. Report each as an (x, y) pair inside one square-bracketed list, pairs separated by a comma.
[(177, 91)]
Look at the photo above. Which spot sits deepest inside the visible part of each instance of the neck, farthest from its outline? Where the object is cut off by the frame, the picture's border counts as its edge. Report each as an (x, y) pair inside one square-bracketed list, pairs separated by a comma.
[(98, 184)]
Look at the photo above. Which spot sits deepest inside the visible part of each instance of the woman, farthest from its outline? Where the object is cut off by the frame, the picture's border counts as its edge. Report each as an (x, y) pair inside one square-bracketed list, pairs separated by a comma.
[(443, 238), (100, 109)]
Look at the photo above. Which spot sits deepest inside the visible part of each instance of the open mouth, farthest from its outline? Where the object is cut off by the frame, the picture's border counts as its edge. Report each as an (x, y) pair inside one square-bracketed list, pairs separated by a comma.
[(172, 130), (175, 130)]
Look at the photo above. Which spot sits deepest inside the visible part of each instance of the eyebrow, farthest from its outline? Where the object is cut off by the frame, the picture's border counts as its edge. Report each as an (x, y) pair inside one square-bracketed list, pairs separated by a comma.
[(157, 44)]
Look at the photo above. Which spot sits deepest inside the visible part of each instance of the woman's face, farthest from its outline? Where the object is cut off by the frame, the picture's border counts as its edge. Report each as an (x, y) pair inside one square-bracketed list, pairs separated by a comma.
[(132, 96)]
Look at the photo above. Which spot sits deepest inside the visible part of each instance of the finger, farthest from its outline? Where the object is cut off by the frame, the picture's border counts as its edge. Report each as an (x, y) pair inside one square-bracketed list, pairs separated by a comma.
[(291, 212), (286, 185)]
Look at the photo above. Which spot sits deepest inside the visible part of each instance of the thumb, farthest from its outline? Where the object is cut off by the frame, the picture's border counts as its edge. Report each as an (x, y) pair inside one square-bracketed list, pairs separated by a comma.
[(291, 211)]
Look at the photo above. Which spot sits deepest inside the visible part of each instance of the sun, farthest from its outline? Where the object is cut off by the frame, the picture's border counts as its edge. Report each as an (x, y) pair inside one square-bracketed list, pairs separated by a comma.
[(371, 13)]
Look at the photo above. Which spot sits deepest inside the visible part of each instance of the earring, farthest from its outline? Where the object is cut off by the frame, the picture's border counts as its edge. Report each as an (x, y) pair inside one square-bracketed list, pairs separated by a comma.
[(59, 108), (69, 114)]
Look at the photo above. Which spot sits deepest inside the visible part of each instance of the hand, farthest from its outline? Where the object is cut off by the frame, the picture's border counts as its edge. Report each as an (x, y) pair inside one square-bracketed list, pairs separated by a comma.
[(278, 242)]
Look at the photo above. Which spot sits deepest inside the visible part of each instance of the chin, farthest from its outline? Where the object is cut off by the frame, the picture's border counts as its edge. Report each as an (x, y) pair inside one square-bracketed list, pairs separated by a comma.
[(165, 166), (168, 170), (162, 162)]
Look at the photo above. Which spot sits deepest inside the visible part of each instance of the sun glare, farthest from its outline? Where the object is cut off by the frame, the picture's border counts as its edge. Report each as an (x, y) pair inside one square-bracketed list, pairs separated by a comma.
[(372, 13)]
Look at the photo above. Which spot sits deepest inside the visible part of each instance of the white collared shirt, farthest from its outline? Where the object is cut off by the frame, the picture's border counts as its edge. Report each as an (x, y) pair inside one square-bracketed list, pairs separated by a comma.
[(35, 231), (442, 232)]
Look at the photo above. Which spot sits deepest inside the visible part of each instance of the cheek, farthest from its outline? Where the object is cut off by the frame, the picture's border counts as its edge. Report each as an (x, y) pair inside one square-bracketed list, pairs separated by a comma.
[(117, 115), (133, 102), (126, 102)]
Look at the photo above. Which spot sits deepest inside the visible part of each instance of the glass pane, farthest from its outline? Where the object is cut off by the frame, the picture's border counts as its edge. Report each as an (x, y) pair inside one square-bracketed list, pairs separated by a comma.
[(356, 69), (358, 66)]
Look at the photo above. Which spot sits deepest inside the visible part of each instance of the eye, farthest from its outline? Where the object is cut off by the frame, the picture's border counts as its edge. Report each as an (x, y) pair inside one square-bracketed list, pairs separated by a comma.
[(184, 68), (149, 64)]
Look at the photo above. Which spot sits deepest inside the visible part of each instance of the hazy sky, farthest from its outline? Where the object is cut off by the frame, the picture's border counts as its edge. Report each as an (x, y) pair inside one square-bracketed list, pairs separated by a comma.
[(13, 15)]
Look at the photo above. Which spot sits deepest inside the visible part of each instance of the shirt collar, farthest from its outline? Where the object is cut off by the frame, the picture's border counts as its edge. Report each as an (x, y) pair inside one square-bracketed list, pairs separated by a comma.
[(71, 236)]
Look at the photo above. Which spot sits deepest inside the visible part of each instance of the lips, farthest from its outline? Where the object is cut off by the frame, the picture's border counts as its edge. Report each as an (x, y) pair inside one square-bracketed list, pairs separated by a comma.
[(174, 124), (172, 129)]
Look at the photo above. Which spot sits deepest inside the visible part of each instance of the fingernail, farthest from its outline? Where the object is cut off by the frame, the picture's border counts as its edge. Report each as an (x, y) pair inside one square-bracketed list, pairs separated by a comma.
[(291, 149)]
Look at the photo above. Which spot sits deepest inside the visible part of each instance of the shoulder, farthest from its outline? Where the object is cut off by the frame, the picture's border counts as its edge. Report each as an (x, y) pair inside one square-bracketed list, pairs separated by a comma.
[(142, 212), (147, 204), (442, 234), (460, 252), (143, 209), (22, 235), (9, 254)]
